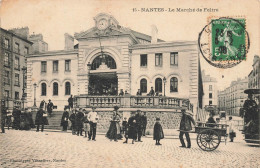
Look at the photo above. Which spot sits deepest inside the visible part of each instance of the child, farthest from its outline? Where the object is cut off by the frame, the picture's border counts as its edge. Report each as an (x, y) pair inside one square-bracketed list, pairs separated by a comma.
[(124, 124), (158, 132)]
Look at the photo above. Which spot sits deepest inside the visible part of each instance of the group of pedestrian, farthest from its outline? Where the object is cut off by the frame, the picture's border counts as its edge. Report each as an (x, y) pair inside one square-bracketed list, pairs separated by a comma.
[(17, 119), (49, 106), (81, 120), (135, 127), (212, 123)]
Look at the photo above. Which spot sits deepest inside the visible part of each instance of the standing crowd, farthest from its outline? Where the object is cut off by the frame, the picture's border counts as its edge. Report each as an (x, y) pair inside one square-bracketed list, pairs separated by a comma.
[(85, 122)]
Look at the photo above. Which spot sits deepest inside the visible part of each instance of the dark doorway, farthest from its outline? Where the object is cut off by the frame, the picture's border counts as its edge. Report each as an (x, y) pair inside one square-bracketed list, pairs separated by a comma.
[(103, 84)]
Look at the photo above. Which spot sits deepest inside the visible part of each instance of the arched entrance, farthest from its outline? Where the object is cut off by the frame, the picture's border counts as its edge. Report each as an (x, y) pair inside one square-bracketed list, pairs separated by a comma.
[(102, 77)]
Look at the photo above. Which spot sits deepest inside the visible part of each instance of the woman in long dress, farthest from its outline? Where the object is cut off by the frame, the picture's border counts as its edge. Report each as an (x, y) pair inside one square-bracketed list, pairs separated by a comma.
[(114, 132)]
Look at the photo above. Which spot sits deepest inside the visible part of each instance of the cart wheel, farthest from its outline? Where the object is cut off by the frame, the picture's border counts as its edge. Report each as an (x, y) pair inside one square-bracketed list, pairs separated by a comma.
[(208, 140)]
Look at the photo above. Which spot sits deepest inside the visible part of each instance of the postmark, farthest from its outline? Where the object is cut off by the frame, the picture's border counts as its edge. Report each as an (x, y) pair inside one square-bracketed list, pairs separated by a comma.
[(224, 42)]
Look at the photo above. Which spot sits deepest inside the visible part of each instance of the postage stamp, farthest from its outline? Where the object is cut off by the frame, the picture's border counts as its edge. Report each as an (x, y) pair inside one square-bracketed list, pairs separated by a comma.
[(224, 42)]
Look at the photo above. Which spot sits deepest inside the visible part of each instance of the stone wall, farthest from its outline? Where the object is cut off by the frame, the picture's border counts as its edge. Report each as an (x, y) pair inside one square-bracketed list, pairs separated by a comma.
[(169, 120)]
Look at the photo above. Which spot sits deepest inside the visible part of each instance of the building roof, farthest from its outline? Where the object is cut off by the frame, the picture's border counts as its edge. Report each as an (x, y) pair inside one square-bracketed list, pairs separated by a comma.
[(207, 78), (54, 53), (11, 33)]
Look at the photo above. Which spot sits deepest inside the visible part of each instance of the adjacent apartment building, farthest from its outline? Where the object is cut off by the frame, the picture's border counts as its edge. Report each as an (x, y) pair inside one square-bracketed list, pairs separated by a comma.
[(254, 75), (15, 48), (232, 98)]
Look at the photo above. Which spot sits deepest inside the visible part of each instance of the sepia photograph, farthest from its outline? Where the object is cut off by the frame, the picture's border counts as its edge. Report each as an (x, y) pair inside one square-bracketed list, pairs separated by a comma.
[(113, 84)]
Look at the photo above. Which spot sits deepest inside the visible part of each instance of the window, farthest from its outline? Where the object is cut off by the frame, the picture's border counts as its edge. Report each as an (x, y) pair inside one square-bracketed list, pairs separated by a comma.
[(26, 50), (143, 59), (174, 84), (158, 85), (67, 88), (143, 85), (174, 58), (210, 95), (67, 65), (7, 59), (16, 48), (17, 63), (16, 95), (210, 87), (55, 89), (7, 44), (210, 102), (158, 59), (99, 60), (43, 85), (43, 66), (16, 80), (55, 66), (7, 94), (7, 78)]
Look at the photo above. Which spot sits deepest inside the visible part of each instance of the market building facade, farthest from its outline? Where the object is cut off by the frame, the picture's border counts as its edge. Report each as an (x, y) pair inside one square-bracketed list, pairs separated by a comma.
[(109, 58)]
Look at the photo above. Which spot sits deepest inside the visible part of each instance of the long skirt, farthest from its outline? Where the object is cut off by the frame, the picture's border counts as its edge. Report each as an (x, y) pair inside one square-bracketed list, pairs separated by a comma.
[(132, 132), (114, 131)]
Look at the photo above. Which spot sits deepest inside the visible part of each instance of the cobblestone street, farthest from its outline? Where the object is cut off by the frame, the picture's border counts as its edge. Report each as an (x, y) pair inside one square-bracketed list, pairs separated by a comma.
[(57, 149)]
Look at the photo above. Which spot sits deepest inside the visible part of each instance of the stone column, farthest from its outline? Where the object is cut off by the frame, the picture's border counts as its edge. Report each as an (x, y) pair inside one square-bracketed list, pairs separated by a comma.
[(123, 81), (83, 81)]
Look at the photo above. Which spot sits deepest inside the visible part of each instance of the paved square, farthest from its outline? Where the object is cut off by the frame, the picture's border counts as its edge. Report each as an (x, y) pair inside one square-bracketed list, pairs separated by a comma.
[(57, 149)]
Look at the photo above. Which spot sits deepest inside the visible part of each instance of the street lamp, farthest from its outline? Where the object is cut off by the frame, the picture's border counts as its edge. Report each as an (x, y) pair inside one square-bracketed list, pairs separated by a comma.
[(34, 101), (24, 69), (164, 82)]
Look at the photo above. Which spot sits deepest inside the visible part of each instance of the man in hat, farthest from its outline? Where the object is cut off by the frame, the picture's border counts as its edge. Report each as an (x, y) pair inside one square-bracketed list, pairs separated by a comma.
[(50, 107), (39, 120), (139, 125), (151, 93), (131, 130), (72, 119), (185, 127), (4, 112), (70, 101), (250, 107), (79, 122), (16, 115), (64, 119), (144, 123), (93, 118), (42, 104)]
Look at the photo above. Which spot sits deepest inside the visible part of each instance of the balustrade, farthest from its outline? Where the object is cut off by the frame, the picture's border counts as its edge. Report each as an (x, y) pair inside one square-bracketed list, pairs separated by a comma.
[(132, 101)]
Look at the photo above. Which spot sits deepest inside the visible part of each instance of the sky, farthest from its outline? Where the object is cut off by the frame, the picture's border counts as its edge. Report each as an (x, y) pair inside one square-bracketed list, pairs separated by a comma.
[(54, 18)]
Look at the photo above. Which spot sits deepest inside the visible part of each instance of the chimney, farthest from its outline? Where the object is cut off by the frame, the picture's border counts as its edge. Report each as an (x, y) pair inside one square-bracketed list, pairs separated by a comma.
[(22, 32), (69, 42), (154, 34)]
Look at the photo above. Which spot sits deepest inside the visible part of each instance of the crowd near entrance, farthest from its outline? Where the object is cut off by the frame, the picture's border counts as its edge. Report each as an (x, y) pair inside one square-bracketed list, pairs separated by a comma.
[(103, 84)]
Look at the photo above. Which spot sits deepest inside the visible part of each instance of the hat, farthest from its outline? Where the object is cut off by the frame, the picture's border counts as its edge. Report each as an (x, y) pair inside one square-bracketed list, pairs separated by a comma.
[(138, 110), (188, 113), (157, 119), (116, 107)]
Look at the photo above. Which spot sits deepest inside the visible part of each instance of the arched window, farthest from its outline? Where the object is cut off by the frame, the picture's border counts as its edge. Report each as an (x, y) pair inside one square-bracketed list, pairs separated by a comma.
[(55, 89), (143, 85), (174, 84), (108, 60), (158, 85), (67, 88), (43, 89)]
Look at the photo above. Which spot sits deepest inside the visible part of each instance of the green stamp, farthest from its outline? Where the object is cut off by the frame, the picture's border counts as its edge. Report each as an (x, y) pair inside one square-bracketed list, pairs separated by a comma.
[(228, 39)]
